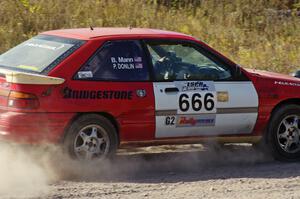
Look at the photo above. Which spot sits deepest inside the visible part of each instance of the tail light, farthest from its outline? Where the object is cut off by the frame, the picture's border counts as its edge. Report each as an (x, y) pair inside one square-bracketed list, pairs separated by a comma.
[(22, 100)]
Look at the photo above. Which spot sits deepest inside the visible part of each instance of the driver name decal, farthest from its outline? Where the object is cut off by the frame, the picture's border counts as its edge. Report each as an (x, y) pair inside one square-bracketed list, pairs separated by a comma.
[(126, 63)]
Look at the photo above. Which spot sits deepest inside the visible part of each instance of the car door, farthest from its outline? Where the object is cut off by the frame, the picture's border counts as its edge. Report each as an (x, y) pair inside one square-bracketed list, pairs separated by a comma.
[(197, 93)]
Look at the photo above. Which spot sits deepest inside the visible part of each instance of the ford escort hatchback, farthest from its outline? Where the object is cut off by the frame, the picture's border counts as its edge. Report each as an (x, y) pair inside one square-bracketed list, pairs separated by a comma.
[(96, 90)]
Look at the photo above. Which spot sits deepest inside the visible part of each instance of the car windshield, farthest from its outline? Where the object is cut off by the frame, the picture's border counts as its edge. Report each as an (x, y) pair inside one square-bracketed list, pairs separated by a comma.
[(39, 54)]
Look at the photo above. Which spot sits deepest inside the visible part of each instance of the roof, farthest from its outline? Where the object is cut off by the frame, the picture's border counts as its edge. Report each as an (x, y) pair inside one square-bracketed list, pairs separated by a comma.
[(87, 33)]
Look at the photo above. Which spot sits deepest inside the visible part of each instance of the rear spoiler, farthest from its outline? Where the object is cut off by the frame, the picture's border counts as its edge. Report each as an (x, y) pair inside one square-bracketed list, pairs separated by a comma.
[(29, 78)]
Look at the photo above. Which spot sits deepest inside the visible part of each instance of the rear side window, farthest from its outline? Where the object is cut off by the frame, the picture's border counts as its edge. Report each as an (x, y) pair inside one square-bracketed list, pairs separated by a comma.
[(116, 61)]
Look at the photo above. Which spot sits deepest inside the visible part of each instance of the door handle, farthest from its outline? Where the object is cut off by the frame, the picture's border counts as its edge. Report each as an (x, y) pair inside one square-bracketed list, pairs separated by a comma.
[(171, 89)]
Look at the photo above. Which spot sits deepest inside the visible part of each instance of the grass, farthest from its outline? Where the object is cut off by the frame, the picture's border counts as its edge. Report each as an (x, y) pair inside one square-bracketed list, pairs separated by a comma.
[(262, 34)]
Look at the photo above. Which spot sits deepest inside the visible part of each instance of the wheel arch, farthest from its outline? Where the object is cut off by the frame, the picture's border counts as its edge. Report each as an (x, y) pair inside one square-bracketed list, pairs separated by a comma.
[(288, 106), (277, 107), (108, 116), (274, 109), (295, 101)]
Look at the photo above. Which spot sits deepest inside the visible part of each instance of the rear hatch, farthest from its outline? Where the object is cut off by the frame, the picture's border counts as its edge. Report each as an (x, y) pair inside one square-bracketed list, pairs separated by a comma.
[(28, 64)]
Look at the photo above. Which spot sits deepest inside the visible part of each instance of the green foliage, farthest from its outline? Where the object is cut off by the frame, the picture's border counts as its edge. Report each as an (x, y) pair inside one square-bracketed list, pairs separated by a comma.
[(261, 34)]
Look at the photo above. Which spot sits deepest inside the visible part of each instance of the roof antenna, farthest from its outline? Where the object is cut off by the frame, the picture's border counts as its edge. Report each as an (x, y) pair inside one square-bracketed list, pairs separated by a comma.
[(130, 27), (91, 27)]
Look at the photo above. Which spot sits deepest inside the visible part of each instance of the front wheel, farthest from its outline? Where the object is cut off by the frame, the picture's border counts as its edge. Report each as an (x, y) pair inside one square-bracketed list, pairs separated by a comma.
[(91, 137), (284, 133)]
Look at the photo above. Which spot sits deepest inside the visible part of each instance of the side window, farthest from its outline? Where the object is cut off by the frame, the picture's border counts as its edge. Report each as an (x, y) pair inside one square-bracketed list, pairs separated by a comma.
[(116, 61), (182, 61)]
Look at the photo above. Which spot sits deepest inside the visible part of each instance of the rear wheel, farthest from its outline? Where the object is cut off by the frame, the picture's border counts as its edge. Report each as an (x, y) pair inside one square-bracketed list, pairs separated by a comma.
[(91, 137), (284, 133)]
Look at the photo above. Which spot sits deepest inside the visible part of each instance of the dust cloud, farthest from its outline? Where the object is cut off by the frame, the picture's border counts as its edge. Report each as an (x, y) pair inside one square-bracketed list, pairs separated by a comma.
[(20, 175), (29, 171), (139, 164)]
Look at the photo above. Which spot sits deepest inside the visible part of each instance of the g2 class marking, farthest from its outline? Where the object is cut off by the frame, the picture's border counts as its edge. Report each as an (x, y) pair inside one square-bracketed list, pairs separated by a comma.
[(170, 120)]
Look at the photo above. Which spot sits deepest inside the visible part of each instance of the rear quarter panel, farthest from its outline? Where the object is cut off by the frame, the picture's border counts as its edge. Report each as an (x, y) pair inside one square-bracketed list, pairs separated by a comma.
[(135, 116)]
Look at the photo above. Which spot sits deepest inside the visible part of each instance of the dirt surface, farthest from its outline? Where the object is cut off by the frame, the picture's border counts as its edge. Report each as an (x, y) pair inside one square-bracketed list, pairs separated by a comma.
[(189, 171)]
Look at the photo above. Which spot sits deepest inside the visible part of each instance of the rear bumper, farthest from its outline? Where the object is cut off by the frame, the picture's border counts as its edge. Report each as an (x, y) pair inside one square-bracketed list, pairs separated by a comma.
[(33, 127)]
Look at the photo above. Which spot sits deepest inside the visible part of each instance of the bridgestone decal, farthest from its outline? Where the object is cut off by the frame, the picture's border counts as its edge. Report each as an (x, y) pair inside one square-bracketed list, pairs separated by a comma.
[(97, 94)]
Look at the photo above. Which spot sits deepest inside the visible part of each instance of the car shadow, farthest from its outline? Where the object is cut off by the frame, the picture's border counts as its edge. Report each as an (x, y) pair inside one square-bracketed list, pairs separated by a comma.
[(173, 166)]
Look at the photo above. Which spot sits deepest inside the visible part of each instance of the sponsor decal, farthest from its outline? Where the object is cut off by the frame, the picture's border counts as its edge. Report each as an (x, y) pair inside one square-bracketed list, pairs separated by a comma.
[(141, 92), (222, 96), (196, 120), (85, 74), (96, 94), (44, 46), (195, 85), (126, 63), (287, 83)]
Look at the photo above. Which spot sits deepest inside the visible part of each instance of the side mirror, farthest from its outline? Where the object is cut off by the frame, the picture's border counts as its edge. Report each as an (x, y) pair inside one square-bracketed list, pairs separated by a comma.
[(296, 74)]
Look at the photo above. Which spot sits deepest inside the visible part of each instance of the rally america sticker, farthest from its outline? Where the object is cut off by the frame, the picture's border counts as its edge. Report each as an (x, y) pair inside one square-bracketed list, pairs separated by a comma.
[(195, 120)]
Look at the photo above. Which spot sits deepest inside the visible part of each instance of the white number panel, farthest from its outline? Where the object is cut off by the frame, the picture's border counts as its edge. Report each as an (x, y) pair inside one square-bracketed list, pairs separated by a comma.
[(197, 109)]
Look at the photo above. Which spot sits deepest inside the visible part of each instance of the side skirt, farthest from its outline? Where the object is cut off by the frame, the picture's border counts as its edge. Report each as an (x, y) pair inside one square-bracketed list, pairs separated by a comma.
[(191, 140)]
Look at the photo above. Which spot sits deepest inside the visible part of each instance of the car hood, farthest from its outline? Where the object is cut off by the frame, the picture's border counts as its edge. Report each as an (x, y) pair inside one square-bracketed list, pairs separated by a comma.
[(272, 75)]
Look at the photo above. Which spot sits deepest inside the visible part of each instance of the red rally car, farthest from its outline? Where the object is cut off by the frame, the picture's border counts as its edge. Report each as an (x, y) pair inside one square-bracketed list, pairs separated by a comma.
[(95, 90)]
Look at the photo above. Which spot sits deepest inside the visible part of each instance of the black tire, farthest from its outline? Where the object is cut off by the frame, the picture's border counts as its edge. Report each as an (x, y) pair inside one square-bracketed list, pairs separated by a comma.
[(85, 125), (280, 146)]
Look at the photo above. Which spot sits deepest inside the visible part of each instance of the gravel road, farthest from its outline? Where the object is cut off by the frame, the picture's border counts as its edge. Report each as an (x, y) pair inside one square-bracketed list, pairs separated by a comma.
[(188, 171)]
